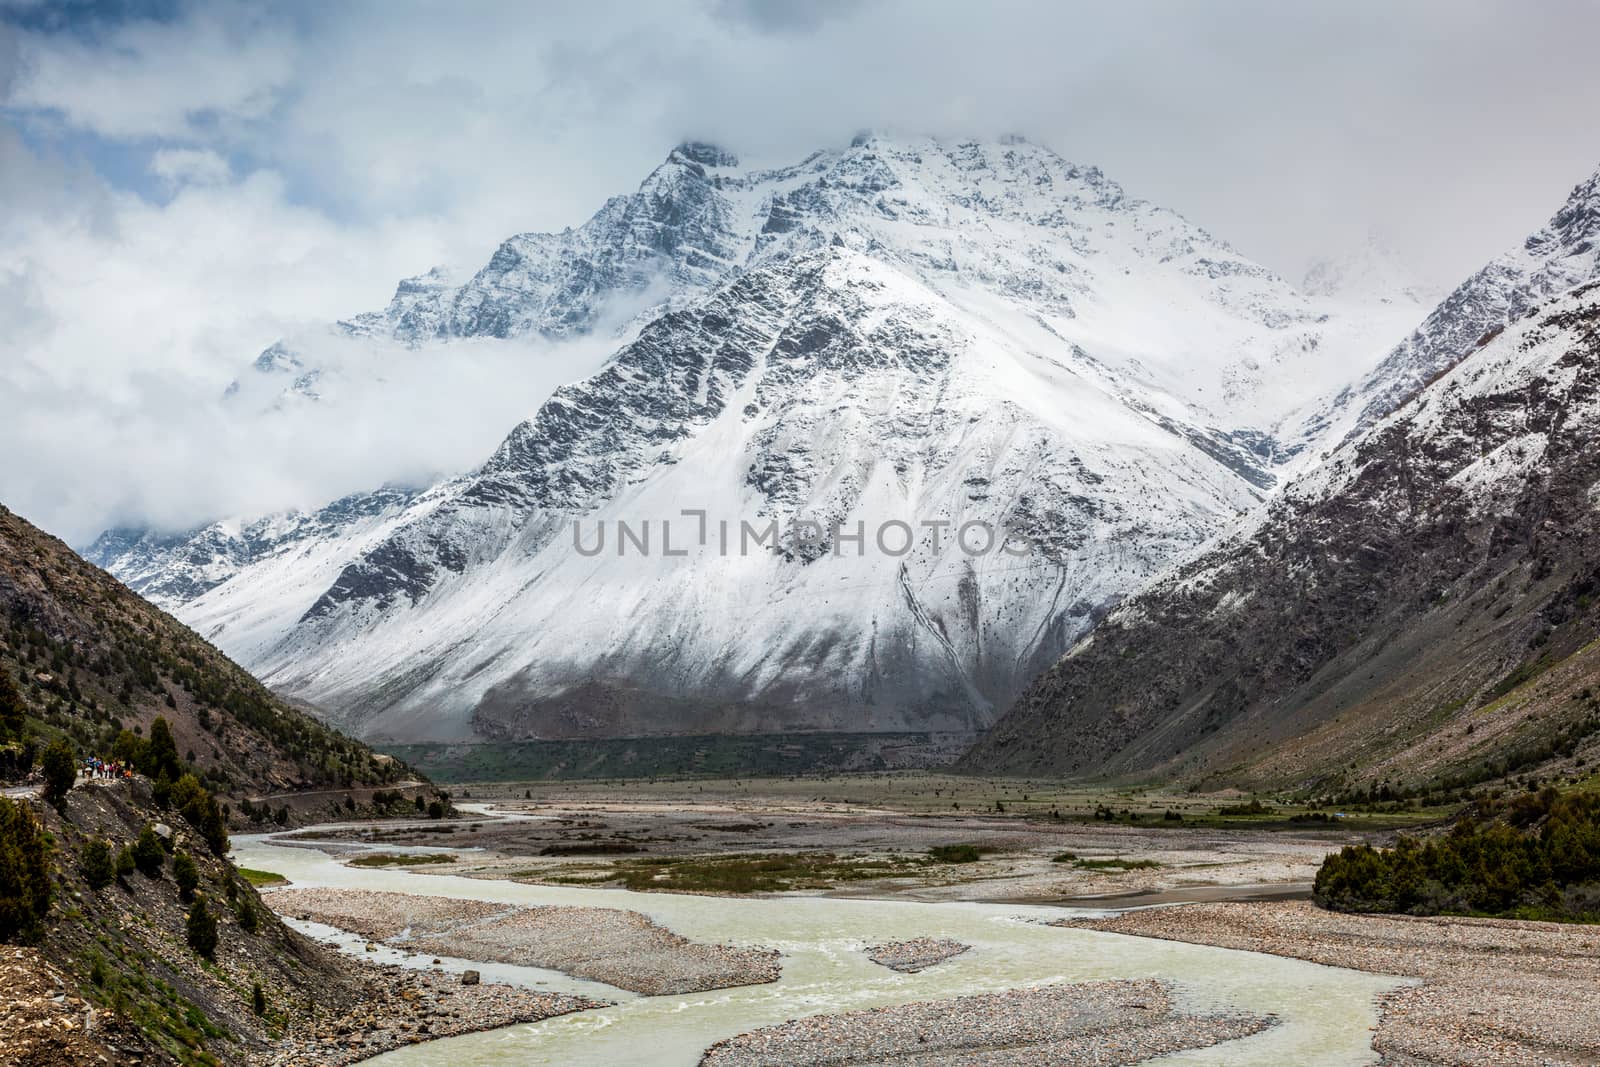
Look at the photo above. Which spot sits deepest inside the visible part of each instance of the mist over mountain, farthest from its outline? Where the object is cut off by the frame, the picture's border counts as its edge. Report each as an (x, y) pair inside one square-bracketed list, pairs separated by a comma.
[(1417, 609), (926, 332)]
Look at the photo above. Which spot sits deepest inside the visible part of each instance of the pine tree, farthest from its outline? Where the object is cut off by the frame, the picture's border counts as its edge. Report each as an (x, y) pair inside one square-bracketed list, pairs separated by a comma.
[(13, 712), (60, 768), (201, 928), (148, 855), (186, 874), (98, 869), (161, 753)]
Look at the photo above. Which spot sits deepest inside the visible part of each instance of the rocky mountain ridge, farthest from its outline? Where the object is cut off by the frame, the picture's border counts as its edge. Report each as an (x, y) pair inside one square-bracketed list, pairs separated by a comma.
[(1562, 254), (900, 331), (1418, 612)]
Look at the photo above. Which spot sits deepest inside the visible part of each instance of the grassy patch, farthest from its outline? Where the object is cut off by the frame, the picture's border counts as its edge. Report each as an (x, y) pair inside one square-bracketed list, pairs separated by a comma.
[(1064, 857), (397, 859), (756, 873), (1116, 865), (260, 879)]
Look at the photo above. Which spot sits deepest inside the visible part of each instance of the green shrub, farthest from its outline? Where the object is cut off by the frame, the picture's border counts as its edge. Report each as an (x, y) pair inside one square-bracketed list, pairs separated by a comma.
[(200, 808), (125, 862), (1255, 807), (258, 999), (245, 913), (96, 864), (186, 874), (24, 872), (148, 854), (60, 768), (201, 928), (955, 853), (1116, 865)]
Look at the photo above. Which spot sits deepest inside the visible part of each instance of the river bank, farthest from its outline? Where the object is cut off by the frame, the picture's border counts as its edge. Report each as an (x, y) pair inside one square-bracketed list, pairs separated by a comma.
[(1494, 991), (406, 1007), (611, 945)]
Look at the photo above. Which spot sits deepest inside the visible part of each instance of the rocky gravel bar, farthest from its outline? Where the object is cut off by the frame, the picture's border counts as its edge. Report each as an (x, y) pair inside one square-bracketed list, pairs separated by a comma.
[(1494, 991), (618, 947), (405, 1007), (1104, 1024), (918, 954)]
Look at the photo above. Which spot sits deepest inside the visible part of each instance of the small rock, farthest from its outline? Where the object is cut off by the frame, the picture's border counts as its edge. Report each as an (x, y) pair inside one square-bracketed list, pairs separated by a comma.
[(470, 978)]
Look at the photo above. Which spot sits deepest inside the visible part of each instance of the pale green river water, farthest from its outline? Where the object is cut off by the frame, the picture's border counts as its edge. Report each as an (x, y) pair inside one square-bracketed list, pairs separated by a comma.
[(1325, 1014)]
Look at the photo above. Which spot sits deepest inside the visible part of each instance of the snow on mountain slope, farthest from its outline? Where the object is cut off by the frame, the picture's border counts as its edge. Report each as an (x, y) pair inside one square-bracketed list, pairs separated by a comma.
[(172, 569), (1378, 609), (902, 330), (1564, 253)]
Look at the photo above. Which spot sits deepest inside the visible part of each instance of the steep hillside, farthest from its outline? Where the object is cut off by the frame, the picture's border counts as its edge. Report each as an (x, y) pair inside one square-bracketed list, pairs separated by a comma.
[(91, 659), (899, 331), (1419, 611), (154, 949)]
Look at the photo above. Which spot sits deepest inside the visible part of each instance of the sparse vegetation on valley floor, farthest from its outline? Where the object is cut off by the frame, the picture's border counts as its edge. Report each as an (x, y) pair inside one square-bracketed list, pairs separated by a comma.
[(1531, 856), (393, 859)]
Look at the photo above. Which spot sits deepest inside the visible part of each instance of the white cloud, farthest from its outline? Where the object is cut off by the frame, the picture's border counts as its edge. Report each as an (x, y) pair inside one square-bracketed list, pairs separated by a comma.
[(314, 155), (190, 166), (151, 79), (125, 324)]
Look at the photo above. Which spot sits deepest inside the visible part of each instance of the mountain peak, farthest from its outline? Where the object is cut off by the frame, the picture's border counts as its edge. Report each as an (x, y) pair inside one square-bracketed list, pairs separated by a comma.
[(706, 154)]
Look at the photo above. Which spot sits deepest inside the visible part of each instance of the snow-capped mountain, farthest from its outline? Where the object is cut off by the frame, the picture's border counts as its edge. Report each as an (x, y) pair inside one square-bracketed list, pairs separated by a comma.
[(905, 332), (1564, 253), (172, 569), (1418, 610)]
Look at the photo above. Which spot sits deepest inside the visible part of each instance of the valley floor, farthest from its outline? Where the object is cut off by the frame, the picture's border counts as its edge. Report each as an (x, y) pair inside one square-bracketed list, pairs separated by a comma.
[(1491, 991), (1494, 991), (888, 837)]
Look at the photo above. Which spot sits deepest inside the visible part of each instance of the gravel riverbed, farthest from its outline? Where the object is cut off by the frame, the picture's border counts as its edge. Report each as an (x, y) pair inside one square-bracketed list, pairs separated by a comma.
[(404, 1007), (1104, 1024), (1494, 991), (918, 954), (621, 948)]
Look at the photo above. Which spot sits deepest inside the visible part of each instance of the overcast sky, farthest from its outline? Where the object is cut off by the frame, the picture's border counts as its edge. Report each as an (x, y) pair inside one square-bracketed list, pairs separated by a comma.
[(181, 184)]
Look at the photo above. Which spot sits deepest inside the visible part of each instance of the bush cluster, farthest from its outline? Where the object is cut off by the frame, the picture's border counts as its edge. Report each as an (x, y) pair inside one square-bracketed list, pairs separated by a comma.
[(1534, 856)]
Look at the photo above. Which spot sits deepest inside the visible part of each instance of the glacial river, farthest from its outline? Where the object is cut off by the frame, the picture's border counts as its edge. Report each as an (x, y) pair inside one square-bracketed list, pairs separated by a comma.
[(1325, 1014)]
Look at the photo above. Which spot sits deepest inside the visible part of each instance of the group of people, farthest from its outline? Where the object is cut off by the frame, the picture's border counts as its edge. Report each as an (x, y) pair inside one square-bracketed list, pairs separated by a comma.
[(95, 767)]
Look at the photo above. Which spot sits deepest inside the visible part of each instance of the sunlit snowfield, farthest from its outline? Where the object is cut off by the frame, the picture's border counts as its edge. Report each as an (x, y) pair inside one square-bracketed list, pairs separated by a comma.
[(1325, 1014)]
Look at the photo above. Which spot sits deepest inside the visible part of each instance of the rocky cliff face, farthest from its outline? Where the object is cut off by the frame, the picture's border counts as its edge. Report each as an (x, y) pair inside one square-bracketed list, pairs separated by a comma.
[(1421, 608), (921, 332)]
